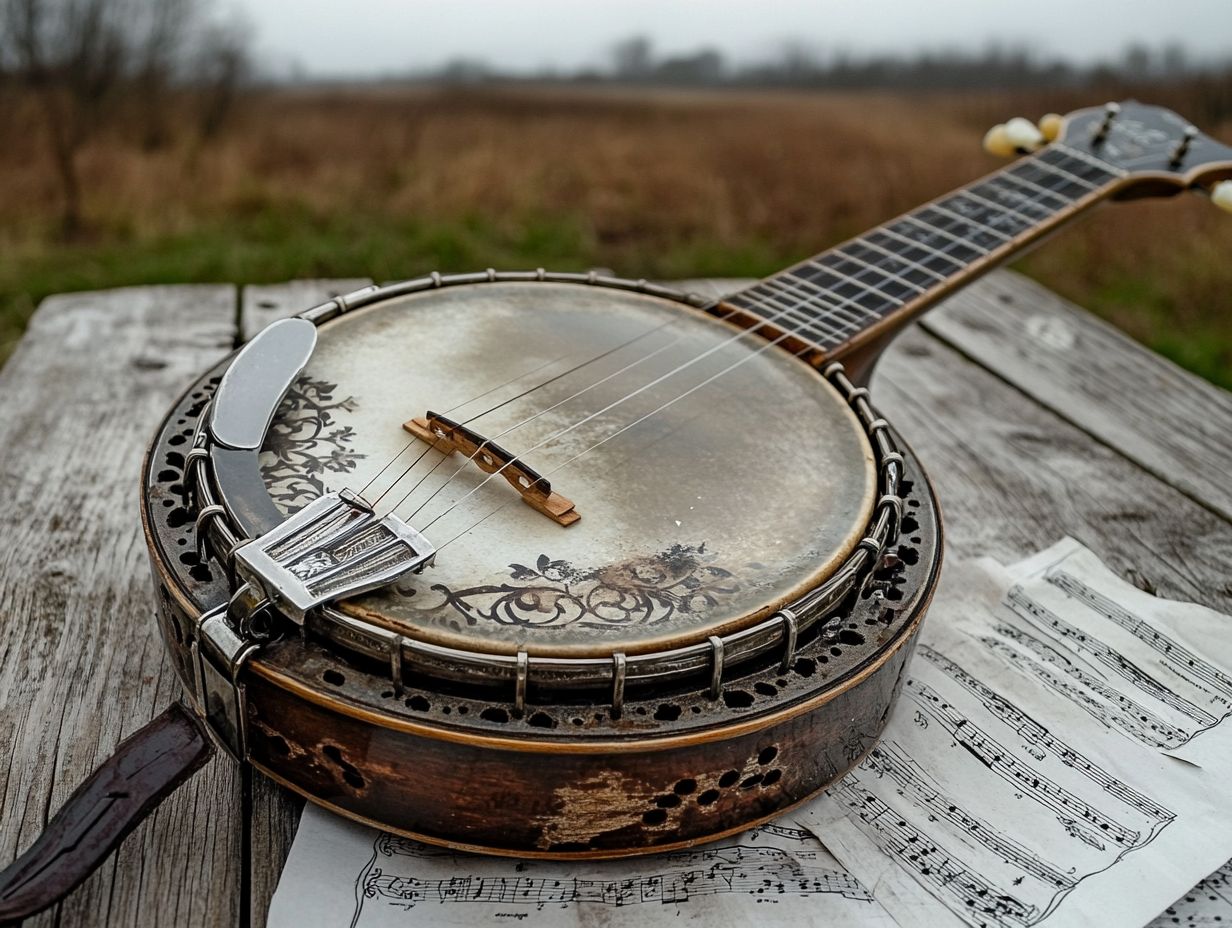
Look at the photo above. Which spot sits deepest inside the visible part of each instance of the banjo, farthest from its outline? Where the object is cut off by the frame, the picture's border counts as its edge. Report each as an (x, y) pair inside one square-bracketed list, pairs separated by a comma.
[(566, 565)]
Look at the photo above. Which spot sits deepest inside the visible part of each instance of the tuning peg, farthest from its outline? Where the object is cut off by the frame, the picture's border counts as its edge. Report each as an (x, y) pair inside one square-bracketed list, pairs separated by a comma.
[(1111, 110), (1221, 195), (1182, 147), (1050, 126), (997, 142), (1008, 139), (1023, 134)]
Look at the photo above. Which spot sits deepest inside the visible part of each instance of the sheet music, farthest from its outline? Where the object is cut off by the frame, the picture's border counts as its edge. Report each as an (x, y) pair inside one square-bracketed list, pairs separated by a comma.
[(1058, 756), (347, 875), (1207, 905)]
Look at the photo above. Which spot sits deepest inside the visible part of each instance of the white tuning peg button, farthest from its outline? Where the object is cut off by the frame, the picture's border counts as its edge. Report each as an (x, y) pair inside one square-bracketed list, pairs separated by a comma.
[(997, 142), (1050, 126), (1023, 134), (1221, 195)]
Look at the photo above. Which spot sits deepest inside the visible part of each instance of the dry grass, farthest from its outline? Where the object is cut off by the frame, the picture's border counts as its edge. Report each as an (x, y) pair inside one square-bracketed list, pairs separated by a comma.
[(392, 183)]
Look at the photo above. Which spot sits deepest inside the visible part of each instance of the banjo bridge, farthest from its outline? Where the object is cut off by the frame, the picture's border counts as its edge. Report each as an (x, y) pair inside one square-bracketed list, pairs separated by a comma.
[(449, 437), (334, 547)]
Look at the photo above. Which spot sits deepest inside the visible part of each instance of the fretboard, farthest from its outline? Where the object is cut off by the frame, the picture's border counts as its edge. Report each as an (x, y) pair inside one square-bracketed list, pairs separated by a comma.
[(845, 296)]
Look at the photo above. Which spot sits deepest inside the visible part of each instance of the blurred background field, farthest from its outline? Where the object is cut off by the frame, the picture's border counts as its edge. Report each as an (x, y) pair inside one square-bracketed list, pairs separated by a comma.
[(662, 172)]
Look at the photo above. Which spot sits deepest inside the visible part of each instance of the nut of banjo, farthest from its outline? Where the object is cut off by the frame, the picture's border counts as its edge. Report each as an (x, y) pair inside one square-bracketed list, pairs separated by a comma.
[(334, 547)]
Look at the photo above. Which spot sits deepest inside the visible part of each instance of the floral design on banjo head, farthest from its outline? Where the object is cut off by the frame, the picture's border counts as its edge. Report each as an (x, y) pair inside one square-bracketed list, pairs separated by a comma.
[(302, 446), (639, 592)]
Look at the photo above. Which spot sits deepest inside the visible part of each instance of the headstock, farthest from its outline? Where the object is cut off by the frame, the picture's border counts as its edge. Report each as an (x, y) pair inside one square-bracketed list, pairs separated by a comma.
[(1160, 152)]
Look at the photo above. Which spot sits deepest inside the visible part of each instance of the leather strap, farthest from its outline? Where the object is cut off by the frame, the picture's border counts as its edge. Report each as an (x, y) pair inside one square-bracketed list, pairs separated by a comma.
[(145, 769)]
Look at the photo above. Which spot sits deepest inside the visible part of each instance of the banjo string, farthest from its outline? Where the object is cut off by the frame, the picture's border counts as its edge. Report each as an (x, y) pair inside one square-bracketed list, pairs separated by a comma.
[(511, 399), (569, 428), (488, 441), (607, 438), (830, 313), (561, 432), (499, 386)]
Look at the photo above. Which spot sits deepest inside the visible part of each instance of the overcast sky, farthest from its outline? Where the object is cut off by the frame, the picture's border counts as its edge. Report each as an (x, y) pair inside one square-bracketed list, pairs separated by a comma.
[(365, 37)]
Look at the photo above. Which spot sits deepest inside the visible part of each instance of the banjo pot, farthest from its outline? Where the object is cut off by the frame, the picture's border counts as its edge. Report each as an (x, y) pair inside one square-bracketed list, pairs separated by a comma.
[(694, 649), (565, 565)]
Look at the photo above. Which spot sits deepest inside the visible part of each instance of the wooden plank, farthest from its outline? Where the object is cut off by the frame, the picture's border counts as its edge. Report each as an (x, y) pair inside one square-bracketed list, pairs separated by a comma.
[(83, 664), (1013, 477), (261, 304), (1171, 422), (274, 811)]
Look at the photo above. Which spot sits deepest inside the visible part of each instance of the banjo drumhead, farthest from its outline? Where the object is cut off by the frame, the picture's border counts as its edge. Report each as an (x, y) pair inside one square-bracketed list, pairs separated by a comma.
[(716, 478)]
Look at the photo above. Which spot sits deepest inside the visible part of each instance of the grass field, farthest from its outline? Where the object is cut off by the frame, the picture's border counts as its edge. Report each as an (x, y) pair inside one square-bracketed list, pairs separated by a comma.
[(394, 183)]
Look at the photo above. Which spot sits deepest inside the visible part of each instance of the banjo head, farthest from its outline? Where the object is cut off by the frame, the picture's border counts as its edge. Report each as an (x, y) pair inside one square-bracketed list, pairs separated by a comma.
[(717, 478)]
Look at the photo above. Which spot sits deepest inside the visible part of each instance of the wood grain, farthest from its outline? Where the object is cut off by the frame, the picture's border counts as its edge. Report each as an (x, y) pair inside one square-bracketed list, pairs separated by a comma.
[(261, 304), (274, 810), (1167, 420), (83, 665)]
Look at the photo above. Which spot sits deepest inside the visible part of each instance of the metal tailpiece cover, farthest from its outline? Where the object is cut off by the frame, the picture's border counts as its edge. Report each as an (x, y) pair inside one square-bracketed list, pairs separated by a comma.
[(256, 381)]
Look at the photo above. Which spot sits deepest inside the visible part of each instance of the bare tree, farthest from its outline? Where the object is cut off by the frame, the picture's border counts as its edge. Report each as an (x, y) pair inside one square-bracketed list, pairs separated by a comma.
[(633, 58), (82, 58)]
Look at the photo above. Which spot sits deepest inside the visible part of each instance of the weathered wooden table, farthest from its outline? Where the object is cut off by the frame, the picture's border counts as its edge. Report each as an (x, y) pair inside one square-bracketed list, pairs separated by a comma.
[(1034, 418)]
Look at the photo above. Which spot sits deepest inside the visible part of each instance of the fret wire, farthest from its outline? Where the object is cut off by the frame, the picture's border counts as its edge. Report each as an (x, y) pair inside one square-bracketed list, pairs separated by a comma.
[(941, 278), (971, 221), (1090, 159), (847, 277), (797, 312), (1074, 178), (850, 312), (835, 315), (970, 195), (828, 292), (847, 318), (1023, 199), (802, 285), (1056, 195), (760, 302), (958, 263), (929, 227), (888, 274), (1084, 170), (834, 311)]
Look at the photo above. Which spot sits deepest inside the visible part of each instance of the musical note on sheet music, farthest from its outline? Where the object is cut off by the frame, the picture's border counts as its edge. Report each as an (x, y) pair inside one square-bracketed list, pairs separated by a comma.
[(1027, 774), (394, 881)]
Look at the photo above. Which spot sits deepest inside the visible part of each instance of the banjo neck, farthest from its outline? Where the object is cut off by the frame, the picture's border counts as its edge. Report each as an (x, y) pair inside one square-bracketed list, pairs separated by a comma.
[(858, 293)]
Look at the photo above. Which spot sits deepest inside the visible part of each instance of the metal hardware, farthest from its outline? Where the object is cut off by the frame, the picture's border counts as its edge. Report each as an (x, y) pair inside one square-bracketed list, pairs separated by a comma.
[(1182, 147), (219, 653), (1110, 113), (519, 695), (334, 547), (619, 668), (791, 632), (690, 662), (716, 666)]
